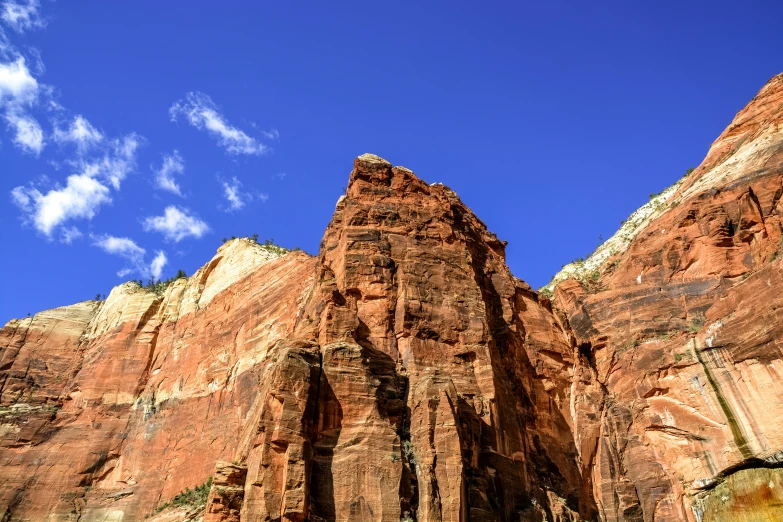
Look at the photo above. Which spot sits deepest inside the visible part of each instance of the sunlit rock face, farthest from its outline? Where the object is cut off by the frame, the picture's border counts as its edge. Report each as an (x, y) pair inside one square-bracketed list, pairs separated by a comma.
[(405, 374), (684, 331), (110, 409)]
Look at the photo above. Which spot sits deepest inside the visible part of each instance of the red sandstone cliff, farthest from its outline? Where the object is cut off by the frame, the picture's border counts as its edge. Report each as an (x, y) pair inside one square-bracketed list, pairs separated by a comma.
[(681, 319), (406, 374)]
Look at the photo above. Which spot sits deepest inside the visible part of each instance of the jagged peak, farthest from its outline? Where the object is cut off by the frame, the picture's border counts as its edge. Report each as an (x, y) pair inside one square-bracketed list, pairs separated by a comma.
[(375, 181), (372, 169), (372, 159)]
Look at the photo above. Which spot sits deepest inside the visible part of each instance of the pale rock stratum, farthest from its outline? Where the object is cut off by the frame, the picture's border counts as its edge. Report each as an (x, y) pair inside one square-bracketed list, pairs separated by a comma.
[(404, 374)]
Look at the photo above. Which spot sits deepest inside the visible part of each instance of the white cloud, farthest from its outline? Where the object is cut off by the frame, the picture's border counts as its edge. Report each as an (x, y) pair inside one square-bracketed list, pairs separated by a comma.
[(29, 135), (49, 208), (68, 234), (21, 16), (201, 112), (38, 66), (236, 197), (21, 198), (121, 246), (164, 178), (121, 160), (81, 133), (156, 267), (84, 192), (18, 92), (118, 160), (18, 88), (128, 249), (176, 224), (80, 198)]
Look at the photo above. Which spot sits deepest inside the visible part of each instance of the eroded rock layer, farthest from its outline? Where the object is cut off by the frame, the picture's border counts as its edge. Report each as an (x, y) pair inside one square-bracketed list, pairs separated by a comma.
[(404, 374)]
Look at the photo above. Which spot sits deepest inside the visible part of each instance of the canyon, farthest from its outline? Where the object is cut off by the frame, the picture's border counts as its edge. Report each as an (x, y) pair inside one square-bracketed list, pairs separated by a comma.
[(404, 374)]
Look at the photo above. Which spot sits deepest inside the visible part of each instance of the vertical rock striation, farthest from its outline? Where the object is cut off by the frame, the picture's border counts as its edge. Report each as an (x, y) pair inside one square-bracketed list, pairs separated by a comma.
[(444, 390), (110, 409), (686, 334), (404, 374)]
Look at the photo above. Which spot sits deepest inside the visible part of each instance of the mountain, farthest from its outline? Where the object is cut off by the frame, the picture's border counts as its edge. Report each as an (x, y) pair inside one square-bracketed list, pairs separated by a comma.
[(405, 374)]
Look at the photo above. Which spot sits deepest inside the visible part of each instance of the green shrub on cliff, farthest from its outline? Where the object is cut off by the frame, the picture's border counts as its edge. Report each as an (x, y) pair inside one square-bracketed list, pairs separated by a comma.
[(697, 321), (160, 286), (268, 244), (196, 497)]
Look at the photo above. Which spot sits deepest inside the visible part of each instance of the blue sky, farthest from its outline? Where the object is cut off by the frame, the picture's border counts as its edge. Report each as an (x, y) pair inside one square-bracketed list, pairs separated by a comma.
[(134, 137)]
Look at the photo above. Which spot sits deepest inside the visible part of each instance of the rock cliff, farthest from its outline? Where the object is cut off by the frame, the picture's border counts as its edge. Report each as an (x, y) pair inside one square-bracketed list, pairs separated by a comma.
[(404, 374), (684, 331)]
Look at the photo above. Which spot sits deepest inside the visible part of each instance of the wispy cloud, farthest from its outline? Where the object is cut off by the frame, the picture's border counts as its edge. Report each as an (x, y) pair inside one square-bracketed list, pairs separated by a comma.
[(121, 246), (200, 111), (18, 88), (114, 162), (80, 133), (21, 16), (99, 166), (233, 193), (156, 267), (271, 135), (176, 224), (19, 91), (84, 193), (128, 249), (164, 177), (28, 134), (236, 197), (69, 234)]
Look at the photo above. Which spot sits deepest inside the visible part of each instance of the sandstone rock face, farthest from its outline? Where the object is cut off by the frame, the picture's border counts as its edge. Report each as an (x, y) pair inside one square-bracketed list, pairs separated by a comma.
[(444, 391), (404, 374), (110, 409), (422, 379), (684, 333), (227, 493)]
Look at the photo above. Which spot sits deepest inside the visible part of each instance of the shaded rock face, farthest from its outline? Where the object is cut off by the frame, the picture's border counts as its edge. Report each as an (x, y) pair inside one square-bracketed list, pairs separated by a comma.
[(405, 374)]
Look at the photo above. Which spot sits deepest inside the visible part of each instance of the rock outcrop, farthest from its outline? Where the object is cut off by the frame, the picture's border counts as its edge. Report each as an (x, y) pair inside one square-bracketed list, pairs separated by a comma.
[(405, 374), (227, 493)]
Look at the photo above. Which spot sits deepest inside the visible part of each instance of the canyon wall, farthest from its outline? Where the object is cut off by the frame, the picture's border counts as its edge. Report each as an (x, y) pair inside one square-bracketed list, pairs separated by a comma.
[(404, 374), (684, 328)]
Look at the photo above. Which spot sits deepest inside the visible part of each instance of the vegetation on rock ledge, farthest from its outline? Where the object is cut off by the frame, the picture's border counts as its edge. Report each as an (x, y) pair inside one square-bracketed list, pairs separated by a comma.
[(268, 244), (193, 498), (160, 286)]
